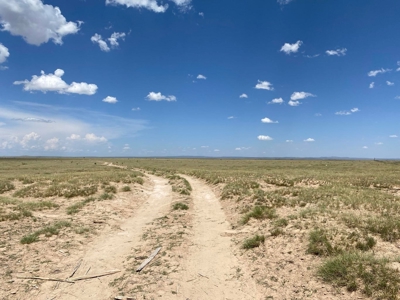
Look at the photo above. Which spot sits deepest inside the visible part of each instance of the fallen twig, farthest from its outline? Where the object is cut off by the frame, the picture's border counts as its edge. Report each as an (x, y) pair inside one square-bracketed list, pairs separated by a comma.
[(76, 268), (152, 255), (203, 276), (71, 280), (47, 279)]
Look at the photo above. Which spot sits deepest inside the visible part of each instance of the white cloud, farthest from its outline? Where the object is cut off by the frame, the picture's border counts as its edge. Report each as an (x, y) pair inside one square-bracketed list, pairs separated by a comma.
[(337, 52), (74, 137), (216, 150), (284, 2), (99, 40), (379, 143), (159, 97), (231, 117), (276, 101), (148, 4), (238, 149), (265, 138), (136, 108), (389, 83), (201, 14), (397, 97), (312, 56), (36, 22), (309, 140), (296, 96), (243, 96), (398, 69), (318, 115), (268, 121), (4, 53), (347, 113), (372, 85), (376, 72), (51, 144), (114, 38), (289, 141), (365, 147), (264, 85), (291, 48), (204, 146), (294, 103), (393, 136), (54, 83), (201, 77), (110, 99), (91, 137), (126, 147), (33, 136)]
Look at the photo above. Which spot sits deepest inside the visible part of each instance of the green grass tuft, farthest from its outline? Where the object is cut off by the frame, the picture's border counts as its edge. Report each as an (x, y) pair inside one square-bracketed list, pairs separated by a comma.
[(180, 206), (253, 242), (259, 212)]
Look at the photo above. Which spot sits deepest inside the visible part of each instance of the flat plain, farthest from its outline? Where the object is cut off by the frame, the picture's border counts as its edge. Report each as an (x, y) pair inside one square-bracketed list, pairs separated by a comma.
[(228, 229)]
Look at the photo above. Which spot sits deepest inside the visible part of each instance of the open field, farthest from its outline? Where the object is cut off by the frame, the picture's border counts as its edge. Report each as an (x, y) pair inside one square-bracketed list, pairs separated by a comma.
[(267, 229)]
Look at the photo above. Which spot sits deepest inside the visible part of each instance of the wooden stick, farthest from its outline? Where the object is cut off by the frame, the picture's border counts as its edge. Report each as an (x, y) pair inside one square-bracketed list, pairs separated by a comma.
[(141, 267), (76, 268), (45, 278), (95, 276), (203, 276)]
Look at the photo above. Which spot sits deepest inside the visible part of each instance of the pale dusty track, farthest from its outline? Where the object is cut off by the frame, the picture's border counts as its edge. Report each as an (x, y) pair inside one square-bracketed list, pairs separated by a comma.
[(224, 277), (110, 250)]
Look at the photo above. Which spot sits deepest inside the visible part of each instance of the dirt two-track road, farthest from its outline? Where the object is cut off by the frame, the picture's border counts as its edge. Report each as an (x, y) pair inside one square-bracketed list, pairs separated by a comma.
[(209, 269)]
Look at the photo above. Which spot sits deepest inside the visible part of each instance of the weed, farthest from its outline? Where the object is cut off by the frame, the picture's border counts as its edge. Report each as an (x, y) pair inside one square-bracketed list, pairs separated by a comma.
[(6, 186), (253, 242), (364, 272), (180, 206), (110, 189), (276, 231), (106, 196), (126, 188), (281, 222), (259, 212), (48, 231), (318, 243)]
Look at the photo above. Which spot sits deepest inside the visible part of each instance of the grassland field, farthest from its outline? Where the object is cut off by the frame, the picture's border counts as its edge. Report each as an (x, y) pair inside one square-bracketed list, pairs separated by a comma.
[(335, 222)]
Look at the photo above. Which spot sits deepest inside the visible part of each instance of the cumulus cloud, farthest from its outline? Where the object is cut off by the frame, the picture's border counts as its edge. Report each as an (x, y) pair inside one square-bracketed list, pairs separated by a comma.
[(204, 146), (318, 115), (346, 112), (337, 52), (54, 83), (268, 121), (201, 77), (397, 97), (379, 143), (393, 136), (74, 137), (289, 141), (231, 117), (276, 101), (110, 99), (376, 72), (296, 96), (291, 48), (243, 96), (28, 138), (136, 108), (99, 40), (216, 150), (51, 144), (264, 85), (294, 103), (152, 96), (264, 138), (372, 85), (4, 53), (150, 4), (389, 83), (365, 147), (201, 14), (113, 40), (91, 137), (36, 22), (309, 140)]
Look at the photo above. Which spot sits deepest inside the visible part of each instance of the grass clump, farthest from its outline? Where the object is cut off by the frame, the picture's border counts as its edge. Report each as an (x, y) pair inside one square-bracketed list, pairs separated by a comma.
[(73, 209), (48, 231), (180, 206), (318, 244), (259, 212), (180, 185), (253, 242), (106, 196), (110, 189), (6, 186), (126, 188), (364, 272), (18, 209)]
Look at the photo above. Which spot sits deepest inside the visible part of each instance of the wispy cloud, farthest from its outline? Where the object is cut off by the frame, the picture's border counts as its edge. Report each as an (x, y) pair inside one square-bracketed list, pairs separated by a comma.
[(376, 72), (389, 83), (347, 112), (337, 52), (296, 96), (309, 140), (393, 136), (372, 85), (231, 117)]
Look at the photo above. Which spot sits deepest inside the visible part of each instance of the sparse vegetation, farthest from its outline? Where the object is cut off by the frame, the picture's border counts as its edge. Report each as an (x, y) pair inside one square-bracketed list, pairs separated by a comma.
[(259, 212), (48, 231), (6, 186), (253, 242), (180, 206), (126, 188)]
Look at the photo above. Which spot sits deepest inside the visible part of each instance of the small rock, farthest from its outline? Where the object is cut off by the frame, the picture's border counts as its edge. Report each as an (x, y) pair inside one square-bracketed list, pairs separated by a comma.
[(119, 298)]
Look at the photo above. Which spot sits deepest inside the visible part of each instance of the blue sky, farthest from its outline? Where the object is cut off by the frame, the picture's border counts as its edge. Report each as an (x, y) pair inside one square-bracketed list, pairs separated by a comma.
[(259, 78)]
